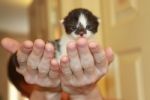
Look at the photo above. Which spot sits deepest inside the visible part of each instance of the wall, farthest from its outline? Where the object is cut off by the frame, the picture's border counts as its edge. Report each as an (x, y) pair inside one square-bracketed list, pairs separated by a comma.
[(14, 19)]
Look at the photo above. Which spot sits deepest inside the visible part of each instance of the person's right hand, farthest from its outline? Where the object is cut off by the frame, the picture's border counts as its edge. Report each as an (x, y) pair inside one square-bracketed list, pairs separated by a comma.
[(36, 62), (84, 65)]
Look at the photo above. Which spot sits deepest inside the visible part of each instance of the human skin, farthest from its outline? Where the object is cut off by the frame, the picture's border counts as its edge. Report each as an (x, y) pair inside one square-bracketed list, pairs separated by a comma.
[(32, 56), (85, 64), (50, 73)]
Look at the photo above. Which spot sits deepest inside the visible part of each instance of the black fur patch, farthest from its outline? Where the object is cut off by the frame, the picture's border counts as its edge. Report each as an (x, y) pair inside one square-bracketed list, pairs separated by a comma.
[(56, 44)]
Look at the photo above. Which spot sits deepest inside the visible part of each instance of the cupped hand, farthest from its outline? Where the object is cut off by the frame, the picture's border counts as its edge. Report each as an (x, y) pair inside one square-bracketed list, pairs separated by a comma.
[(85, 64), (37, 65), (36, 62)]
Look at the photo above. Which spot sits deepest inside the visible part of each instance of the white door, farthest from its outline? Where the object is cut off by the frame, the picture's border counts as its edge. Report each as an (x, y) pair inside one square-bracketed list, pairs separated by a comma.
[(126, 28)]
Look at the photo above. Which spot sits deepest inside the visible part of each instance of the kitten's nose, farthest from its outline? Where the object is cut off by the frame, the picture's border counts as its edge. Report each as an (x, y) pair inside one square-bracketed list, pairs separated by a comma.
[(81, 33)]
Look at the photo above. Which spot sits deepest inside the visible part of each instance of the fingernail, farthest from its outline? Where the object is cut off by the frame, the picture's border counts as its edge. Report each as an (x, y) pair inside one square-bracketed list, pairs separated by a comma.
[(72, 46), (39, 43), (82, 42), (49, 47)]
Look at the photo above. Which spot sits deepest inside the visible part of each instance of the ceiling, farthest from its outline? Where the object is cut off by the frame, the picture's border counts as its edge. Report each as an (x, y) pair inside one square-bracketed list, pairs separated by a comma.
[(16, 3)]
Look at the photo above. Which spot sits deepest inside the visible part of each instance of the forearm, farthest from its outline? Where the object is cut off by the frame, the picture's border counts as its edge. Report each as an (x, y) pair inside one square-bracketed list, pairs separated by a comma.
[(92, 95), (43, 95)]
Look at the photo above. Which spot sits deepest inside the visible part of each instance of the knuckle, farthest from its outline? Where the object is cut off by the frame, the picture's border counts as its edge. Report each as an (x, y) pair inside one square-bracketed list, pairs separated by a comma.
[(56, 84), (68, 77), (75, 84), (21, 70), (93, 81), (66, 71), (75, 62), (76, 68), (99, 57), (87, 64), (104, 71), (43, 68), (29, 79), (90, 81), (53, 74), (22, 59), (32, 62), (80, 84), (89, 68), (86, 83)]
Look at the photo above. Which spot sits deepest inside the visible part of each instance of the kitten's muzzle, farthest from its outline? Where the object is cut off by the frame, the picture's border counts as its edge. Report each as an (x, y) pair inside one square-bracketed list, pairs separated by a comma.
[(81, 31)]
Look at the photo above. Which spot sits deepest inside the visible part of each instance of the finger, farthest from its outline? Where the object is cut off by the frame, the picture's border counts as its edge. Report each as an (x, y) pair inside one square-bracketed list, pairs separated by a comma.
[(30, 76), (10, 45), (86, 57), (99, 57), (65, 68), (44, 65), (75, 64), (109, 55), (36, 54), (22, 55), (54, 70)]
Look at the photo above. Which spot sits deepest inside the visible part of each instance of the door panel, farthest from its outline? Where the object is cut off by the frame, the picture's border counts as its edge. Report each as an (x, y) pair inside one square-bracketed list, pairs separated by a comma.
[(129, 69), (125, 27)]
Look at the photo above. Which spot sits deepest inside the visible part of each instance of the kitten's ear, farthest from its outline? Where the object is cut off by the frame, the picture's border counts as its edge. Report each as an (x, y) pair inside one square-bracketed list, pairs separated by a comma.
[(99, 20), (62, 21)]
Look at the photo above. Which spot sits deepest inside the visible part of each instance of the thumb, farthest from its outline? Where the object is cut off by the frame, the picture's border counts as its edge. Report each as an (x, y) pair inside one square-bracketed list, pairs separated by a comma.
[(109, 55), (10, 45)]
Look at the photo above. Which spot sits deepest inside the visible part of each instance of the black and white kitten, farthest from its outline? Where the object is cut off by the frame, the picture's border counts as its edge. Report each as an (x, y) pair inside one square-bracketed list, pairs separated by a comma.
[(78, 23)]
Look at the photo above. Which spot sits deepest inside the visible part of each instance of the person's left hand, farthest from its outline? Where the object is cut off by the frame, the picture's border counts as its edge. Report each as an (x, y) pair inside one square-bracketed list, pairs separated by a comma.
[(36, 62), (85, 64)]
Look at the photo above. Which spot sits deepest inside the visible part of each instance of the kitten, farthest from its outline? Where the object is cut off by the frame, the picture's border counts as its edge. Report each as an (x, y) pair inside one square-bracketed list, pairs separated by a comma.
[(78, 23)]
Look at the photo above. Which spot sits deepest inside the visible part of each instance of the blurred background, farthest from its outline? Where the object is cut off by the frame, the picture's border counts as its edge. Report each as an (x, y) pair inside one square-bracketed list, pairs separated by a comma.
[(125, 27)]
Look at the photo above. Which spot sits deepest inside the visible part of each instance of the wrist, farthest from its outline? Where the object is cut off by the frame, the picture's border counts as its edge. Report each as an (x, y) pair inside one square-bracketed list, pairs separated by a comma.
[(52, 95), (93, 94), (45, 95)]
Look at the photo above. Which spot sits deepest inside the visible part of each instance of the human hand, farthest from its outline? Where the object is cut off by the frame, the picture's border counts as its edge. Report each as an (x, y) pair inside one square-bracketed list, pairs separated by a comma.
[(85, 64), (36, 74), (10, 45), (37, 65), (36, 62)]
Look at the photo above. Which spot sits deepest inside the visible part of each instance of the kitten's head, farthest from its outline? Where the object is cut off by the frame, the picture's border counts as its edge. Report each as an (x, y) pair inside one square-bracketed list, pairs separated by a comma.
[(80, 23)]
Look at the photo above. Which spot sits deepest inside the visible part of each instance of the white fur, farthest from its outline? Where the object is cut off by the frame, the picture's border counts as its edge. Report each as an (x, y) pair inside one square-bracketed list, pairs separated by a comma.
[(75, 36), (82, 20), (87, 35), (63, 44), (67, 39)]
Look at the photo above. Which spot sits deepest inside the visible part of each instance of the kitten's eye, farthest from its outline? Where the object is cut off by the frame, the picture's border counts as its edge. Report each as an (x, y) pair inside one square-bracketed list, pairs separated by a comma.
[(73, 27), (89, 27)]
